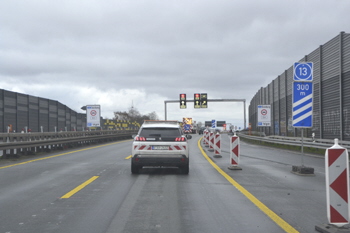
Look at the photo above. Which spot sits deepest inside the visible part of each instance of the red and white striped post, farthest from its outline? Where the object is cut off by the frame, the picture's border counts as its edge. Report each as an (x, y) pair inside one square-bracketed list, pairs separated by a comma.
[(217, 145), (211, 141), (234, 153), (337, 185), (206, 138)]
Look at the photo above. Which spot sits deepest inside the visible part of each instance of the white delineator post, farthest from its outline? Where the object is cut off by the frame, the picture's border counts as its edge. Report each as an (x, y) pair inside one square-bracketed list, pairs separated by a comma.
[(337, 185), (217, 145), (234, 153)]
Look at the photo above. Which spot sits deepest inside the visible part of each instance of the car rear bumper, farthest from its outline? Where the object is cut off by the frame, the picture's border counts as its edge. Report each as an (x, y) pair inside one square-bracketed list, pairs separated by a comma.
[(144, 160)]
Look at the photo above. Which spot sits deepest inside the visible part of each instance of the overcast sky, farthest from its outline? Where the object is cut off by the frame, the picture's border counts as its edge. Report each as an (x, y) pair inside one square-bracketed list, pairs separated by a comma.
[(143, 52)]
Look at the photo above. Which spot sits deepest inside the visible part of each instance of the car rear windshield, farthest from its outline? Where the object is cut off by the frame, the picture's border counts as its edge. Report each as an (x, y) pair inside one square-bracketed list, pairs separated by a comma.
[(163, 133)]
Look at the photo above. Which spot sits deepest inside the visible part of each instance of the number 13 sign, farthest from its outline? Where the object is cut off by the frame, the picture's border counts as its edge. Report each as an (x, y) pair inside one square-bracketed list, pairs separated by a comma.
[(303, 72)]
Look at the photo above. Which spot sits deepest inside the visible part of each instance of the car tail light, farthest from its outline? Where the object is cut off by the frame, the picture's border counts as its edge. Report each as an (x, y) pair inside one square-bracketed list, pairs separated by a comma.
[(140, 138), (180, 139)]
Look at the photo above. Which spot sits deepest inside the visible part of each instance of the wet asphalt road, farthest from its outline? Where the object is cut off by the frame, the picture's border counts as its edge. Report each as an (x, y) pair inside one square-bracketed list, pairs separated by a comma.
[(161, 199)]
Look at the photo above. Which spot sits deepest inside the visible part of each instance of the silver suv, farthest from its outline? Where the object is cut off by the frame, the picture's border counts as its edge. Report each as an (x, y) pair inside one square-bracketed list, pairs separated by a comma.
[(160, 143)]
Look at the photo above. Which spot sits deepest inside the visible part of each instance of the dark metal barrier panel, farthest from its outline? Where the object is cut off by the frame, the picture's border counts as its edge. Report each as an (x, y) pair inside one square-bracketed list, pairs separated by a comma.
[(331, 94), (24, 112), (10, 110), (346, 105), (33, 114), (44, 115), (2, 110)]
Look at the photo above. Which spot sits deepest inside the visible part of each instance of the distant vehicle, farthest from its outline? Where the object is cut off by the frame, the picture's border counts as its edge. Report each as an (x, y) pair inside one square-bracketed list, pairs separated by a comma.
[(188, 125), (201, 130), (217, 130), (160, 143)]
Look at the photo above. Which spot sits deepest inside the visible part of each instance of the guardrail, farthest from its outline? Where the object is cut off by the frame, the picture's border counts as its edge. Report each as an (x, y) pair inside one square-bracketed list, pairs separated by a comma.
[(13, 144), (315, 145)]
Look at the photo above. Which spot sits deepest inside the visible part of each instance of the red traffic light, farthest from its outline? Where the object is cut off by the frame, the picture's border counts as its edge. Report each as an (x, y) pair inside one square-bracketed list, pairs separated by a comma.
[(182, 101)]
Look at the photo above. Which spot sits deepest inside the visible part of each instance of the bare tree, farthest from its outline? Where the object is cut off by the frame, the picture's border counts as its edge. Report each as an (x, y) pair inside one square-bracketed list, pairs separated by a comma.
[(134, 115), (153, 116)]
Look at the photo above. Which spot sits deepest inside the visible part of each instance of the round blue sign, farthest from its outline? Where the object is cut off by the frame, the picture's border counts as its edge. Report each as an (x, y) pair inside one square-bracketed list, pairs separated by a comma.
[(303, 72)]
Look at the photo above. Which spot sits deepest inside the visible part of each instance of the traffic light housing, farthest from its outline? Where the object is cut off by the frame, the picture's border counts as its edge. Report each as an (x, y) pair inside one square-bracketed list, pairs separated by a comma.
[(204, 100), (182, 101), (197, 100)]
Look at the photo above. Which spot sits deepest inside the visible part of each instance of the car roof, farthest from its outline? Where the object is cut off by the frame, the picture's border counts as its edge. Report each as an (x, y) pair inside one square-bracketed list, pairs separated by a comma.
[(160, 125)]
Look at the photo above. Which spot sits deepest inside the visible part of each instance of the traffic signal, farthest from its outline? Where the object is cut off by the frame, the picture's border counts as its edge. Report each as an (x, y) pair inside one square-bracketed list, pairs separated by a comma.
[(197, 100), (204, 100), (182, 101)]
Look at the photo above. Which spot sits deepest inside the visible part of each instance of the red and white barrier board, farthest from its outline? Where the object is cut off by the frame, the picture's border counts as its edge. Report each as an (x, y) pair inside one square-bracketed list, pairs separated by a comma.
[(337, 185), (234, 150), (211, 141), (206, 138), (217, 144)]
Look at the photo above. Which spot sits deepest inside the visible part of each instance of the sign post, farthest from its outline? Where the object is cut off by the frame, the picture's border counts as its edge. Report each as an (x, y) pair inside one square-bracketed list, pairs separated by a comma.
[(213, 124), (93, 115), (303, 71), (264, 115), (302, 105)]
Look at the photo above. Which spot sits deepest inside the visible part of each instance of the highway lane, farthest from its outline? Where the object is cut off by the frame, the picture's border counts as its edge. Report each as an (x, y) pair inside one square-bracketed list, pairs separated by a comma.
[(300, 200), (158, 200), (30, 196)]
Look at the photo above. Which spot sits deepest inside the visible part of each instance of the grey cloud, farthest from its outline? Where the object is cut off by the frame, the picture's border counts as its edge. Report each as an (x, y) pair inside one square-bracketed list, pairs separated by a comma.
[(228, 49)]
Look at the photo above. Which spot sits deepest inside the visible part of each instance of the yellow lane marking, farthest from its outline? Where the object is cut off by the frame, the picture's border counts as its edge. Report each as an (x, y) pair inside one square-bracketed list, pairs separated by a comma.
[(129, 157), (80, 187), (274, 217), (53, 156)]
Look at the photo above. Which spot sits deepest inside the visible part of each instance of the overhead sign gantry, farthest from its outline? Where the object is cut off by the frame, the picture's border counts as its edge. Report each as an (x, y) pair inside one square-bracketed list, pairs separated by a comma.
[(204, 103)]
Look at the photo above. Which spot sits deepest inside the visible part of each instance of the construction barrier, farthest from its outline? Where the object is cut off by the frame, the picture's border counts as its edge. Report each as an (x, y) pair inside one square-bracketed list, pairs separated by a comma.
[(206, 138), (337, 185), (211, 141), (234, 153), (217, 145)]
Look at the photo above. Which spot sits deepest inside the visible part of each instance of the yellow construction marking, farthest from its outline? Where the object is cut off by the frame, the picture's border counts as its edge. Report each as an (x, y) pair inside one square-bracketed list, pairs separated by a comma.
[(129, 157), (80, 187), (53, 156), (272, 215)]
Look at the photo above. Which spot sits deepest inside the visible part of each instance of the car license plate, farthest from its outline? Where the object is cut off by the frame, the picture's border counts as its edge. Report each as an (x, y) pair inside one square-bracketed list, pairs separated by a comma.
[(160, 147)]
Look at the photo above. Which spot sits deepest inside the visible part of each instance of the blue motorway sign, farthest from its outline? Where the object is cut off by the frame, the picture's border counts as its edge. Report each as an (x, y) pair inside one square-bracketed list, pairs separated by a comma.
[(187, 127), (303, 72), (302, 104)]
